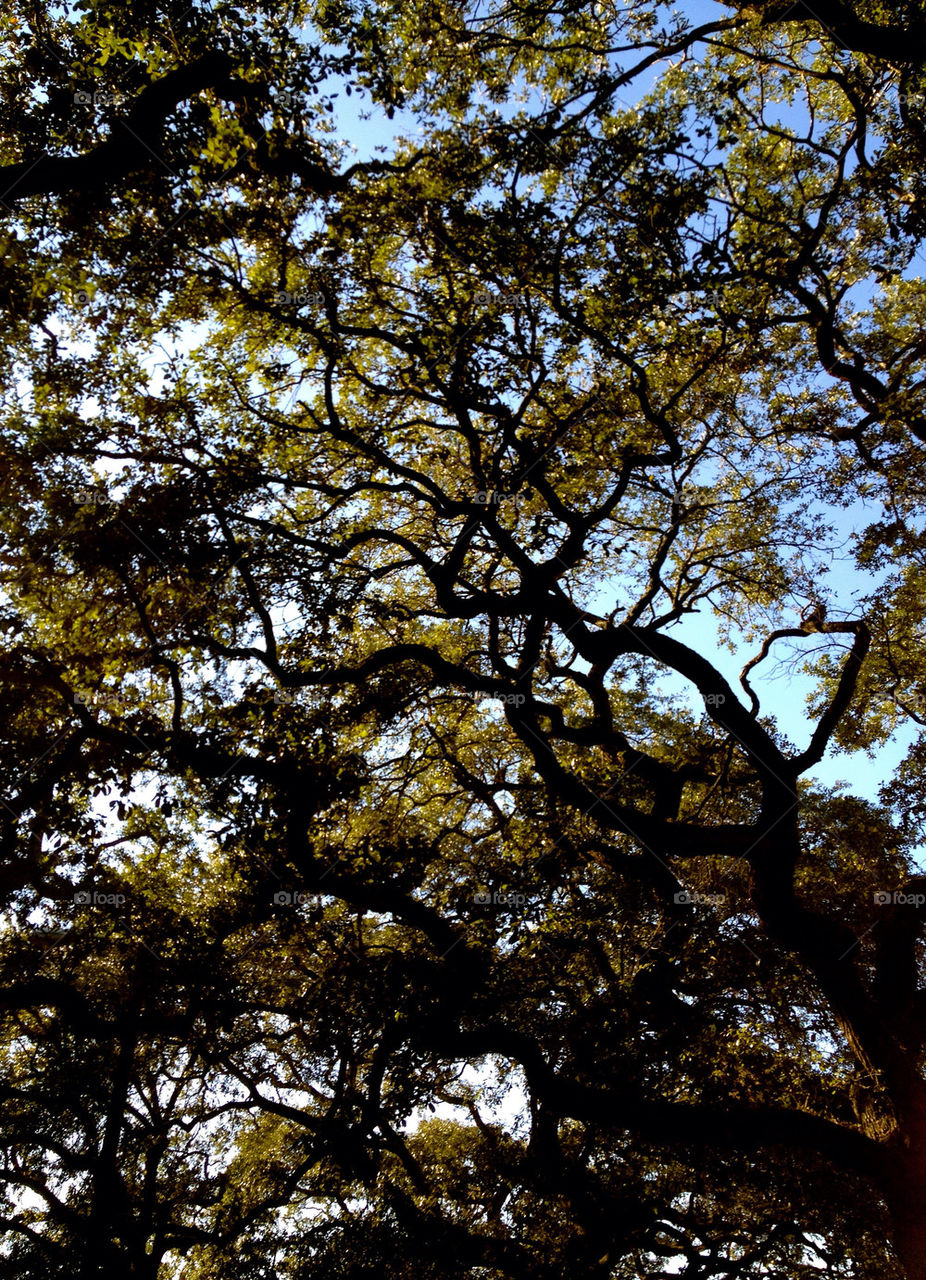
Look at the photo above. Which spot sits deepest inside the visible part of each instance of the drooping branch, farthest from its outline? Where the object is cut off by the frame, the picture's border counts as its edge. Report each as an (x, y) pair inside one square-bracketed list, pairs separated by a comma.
[(781, 634), (843, 695), (844, 692)]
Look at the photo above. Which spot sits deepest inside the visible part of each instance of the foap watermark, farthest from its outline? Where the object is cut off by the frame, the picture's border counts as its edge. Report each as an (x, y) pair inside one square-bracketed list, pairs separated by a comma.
[(86, 496), (92, 898), (503, 699), (308, 696), (494, 498), (95, 98), (101, 700), (904, 99), (483, 898), (715, 699), (897, 897), (493, 298), (295, 898), (691, 898), (299, 298), (910, 700)]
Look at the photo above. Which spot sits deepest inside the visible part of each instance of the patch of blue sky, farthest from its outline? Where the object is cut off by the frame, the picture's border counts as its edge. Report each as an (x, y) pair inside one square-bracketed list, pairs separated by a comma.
[(782, 685)]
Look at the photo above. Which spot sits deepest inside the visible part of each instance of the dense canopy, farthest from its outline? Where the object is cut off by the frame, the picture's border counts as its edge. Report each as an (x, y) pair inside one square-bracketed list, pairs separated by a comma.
[(426, 426)]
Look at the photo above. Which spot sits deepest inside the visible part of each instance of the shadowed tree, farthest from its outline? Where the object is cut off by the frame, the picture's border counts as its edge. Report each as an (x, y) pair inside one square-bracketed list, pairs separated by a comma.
[(397, 878)]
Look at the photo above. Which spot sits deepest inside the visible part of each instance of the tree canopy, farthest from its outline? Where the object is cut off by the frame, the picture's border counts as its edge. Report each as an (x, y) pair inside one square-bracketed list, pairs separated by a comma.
[(409, 411)]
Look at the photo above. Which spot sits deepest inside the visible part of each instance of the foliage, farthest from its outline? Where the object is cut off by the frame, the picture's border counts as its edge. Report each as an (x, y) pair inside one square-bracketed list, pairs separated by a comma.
[(407, 411)]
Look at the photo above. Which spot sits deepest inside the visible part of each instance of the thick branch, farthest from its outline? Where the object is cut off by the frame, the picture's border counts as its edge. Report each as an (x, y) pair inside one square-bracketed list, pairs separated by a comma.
[(898, 44), (131, 145), (732, 1127)]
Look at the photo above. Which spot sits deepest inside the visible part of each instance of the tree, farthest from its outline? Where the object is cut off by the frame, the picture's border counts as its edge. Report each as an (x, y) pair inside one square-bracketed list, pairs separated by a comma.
[(361, 761)]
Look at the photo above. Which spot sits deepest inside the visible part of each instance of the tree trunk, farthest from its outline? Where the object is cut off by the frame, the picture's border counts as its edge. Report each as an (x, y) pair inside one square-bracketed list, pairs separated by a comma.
[(910, 1241), (906, 1201)]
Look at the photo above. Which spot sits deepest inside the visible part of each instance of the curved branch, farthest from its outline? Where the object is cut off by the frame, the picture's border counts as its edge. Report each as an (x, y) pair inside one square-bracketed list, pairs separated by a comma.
[(843, 695), (760, 657)]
